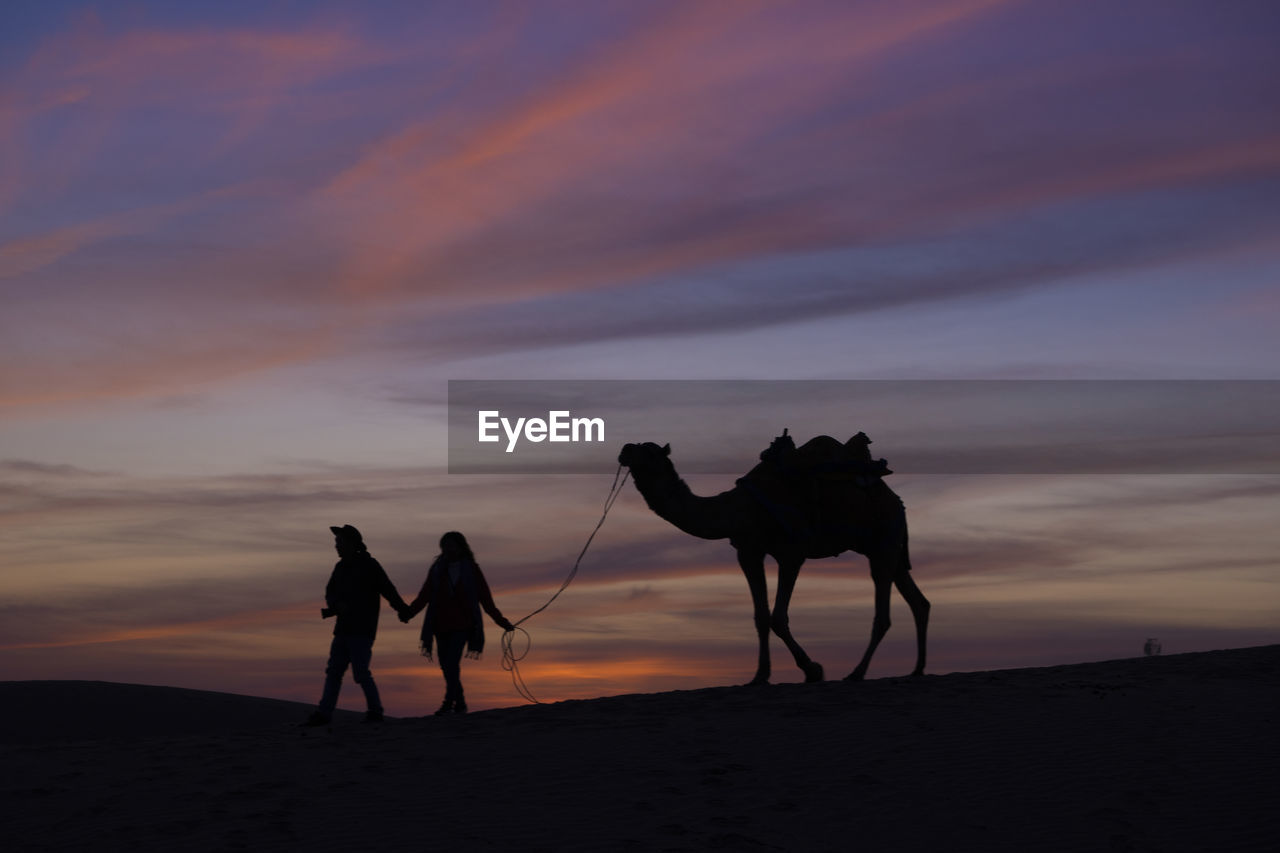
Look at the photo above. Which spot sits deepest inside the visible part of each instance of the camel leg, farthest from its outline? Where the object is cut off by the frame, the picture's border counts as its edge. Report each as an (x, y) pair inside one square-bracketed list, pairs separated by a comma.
[(753, 567), (788, 572), (919, 607), (883, 576)]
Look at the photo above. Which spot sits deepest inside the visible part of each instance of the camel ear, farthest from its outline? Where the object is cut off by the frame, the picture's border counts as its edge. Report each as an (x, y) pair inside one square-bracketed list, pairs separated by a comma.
[(666, 450)]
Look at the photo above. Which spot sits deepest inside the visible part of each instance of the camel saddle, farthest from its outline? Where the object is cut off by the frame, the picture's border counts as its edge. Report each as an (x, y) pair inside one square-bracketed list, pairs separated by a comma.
[(822, 458), (811, 489)]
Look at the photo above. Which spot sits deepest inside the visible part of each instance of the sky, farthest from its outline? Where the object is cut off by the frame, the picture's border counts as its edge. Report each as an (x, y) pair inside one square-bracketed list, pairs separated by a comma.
[(245, 247)]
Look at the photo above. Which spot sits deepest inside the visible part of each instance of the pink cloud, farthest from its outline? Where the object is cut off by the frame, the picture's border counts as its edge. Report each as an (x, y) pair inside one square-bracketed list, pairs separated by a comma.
[(431, 200), (170, 363)]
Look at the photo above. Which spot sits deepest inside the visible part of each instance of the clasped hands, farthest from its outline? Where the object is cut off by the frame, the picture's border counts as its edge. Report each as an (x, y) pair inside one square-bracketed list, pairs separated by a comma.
[(406, 614)]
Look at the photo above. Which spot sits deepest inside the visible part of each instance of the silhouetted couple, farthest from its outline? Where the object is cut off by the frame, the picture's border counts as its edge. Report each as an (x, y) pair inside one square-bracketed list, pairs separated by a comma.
[(453, 593)]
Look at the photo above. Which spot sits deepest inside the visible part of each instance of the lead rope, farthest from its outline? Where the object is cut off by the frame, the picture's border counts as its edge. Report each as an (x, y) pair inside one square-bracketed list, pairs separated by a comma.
[(511, 660)]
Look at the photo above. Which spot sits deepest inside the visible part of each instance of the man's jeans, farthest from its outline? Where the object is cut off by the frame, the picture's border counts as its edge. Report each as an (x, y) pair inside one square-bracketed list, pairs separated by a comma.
[(355, 652)]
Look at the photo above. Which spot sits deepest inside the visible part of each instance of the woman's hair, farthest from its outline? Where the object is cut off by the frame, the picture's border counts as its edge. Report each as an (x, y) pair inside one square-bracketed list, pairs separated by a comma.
[(460, 541)]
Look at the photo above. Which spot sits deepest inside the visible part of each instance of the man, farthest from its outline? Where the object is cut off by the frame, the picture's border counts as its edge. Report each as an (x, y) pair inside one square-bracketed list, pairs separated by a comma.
[(353, 596)]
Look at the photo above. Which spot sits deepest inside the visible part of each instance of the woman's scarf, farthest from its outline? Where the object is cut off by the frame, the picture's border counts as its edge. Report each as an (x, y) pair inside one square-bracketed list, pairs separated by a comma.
[(466, 589)]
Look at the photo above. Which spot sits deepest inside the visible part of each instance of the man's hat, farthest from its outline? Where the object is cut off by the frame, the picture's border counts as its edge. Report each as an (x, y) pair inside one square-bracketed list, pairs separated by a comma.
[(348, 532)]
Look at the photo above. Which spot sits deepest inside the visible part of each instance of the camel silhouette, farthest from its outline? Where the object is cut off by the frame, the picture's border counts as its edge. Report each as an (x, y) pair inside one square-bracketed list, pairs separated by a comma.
[(816, 501)]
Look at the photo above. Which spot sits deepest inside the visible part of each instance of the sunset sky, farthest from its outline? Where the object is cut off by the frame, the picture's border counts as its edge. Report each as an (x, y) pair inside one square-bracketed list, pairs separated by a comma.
[(245, 246)]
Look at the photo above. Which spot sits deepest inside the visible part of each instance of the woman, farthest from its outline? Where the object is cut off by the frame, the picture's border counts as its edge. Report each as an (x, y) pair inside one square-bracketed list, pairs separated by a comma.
[(453, 593)]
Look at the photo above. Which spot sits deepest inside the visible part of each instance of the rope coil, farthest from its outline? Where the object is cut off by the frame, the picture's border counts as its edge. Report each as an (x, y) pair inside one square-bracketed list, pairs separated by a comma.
[(510, 659)]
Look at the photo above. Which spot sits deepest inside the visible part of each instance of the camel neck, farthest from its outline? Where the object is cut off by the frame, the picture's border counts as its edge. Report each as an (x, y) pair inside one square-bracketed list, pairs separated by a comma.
[(672, 500)]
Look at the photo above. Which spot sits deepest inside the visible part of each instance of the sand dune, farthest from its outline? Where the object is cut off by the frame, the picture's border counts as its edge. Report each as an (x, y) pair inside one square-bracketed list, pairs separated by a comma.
[(89, 710), (1167, 753)]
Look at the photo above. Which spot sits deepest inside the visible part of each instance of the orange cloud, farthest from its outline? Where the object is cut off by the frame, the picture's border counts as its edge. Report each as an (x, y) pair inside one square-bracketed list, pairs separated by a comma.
[(272, 617)]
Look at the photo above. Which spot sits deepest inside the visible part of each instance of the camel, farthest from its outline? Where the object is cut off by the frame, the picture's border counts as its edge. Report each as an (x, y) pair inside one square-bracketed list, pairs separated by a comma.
[(851, 513)]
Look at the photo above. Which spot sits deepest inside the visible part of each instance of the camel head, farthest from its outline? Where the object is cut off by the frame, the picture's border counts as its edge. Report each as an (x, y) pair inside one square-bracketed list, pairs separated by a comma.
[(654, 475), (647, 458)]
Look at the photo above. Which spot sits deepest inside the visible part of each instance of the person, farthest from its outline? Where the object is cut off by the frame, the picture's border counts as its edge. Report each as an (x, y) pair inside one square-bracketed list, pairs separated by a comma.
[(353, 595), (453, 593)]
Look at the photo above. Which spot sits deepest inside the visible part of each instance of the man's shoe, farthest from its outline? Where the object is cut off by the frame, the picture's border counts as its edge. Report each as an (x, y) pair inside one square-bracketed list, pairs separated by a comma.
[(373, 716), (445, 708), (459, 707), (316, 719)]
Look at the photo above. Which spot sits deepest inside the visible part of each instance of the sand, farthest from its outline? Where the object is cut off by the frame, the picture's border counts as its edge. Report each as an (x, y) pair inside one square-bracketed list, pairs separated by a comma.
[(1167, 753)]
